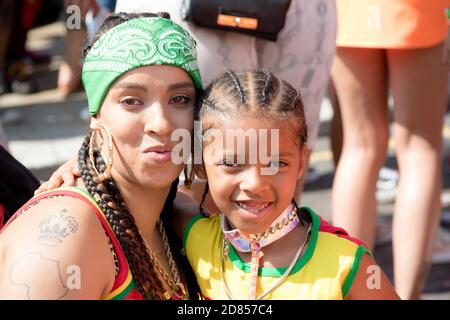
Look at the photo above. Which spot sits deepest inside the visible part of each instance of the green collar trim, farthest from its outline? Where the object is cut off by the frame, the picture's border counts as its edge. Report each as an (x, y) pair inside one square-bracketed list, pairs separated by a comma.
[(278, 272)]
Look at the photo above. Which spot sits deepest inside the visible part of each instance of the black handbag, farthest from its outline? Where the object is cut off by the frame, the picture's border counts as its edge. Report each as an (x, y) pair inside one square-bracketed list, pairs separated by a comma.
[(258, 18)]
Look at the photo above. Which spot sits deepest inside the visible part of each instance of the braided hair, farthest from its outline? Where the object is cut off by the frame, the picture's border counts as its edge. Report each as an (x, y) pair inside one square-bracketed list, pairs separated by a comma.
[(109, 199), (255, 93)]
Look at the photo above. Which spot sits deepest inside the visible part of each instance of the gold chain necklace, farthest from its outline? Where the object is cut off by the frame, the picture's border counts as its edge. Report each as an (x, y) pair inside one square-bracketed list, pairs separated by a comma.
[(278, 226), (173, 280), (225, 251), (244, 242)]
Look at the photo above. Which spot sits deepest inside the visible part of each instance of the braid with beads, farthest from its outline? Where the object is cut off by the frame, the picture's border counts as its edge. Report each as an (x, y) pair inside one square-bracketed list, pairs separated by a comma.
[(112, 204), (108, 198)]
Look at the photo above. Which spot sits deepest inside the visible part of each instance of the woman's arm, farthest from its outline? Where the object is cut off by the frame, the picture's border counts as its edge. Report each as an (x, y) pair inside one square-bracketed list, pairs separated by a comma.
[(56, 250), (184, 210), (196, 193), (371, 283), (187, 205)]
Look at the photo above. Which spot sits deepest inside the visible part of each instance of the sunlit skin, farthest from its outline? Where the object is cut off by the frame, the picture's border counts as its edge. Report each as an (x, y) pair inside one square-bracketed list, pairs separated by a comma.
[(251, 199), (142, 109), (233, 184)]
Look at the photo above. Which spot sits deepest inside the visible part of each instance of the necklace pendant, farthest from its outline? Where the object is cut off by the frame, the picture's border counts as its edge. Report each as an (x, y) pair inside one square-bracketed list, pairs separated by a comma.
[(241, 241), (254, 268), (167, 295)]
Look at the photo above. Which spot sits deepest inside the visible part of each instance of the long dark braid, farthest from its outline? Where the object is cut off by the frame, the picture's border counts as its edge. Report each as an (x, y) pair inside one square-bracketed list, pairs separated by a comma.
[(111, 202), (176, 244), (108, 197)]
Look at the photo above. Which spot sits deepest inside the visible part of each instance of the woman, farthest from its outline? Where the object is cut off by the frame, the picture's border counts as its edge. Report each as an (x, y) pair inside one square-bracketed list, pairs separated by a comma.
[(92, 241), (396, 45)]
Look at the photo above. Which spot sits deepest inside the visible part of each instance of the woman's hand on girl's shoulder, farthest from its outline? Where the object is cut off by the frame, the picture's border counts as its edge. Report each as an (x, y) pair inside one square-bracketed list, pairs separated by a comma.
[(56, 250), (65, 175), (371, 283)]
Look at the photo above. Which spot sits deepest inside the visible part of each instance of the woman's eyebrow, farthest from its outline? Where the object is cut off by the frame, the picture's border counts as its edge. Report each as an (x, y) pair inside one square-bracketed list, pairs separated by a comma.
[(130, 85), (180, 85)]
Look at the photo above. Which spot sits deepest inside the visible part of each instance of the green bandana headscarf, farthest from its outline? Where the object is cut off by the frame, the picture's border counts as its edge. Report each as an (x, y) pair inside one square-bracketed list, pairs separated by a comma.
[(136, 43)]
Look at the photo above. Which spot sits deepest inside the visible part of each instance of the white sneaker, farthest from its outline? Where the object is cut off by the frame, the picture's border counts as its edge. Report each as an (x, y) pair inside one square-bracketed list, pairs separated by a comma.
[(387, 185)]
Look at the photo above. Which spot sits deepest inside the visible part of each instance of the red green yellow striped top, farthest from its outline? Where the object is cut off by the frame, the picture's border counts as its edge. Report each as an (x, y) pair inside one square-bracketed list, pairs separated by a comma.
[(326, 270), (124, 287)]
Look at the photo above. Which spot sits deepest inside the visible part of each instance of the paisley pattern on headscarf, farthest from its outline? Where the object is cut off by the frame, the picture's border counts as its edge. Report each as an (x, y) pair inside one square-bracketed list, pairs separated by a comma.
[(136, 43)]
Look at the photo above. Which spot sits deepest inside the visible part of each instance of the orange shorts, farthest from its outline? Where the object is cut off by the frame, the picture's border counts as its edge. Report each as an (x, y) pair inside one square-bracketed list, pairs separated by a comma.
[(403, 24)]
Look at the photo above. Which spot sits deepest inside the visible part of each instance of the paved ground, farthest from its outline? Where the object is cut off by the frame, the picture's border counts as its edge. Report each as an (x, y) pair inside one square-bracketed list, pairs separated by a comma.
[(49, 131)]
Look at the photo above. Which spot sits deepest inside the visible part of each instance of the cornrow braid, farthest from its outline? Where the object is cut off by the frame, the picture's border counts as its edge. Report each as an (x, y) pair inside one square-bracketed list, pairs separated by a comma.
[(212, 105), (237, 85), (111, 202), (176, 244), (109, 199), (304, 134), (266, 88), (266, 94)]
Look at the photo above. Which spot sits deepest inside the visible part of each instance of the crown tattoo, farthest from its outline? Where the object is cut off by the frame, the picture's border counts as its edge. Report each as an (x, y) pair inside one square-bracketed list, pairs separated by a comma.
[(57, 227)]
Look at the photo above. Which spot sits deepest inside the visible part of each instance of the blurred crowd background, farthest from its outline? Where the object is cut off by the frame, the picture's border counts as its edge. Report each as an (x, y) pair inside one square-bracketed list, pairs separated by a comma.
[(383, 128)]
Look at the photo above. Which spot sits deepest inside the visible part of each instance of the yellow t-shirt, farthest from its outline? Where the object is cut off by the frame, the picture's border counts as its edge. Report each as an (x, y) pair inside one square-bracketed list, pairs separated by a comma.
[(326, 270)]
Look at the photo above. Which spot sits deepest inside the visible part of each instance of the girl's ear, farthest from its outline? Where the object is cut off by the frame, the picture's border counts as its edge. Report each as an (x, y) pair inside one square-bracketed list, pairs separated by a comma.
[(303, 164), (199, 171)]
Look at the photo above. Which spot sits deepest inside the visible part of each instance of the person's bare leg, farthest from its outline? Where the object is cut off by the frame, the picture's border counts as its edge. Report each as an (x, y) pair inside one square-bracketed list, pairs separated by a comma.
[(419, 87), (69, 75), (360, 79)]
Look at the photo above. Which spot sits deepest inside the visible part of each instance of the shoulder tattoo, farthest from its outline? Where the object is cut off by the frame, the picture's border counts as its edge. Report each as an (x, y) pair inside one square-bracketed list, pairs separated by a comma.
[(56, 227)]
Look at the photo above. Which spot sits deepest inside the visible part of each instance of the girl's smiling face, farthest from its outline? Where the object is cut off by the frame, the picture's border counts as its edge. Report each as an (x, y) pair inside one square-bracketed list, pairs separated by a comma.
[(250, 197), (141, 110)]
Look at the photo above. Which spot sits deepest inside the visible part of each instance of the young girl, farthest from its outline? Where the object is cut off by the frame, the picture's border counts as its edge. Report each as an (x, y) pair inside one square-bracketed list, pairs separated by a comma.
[(263, 246)]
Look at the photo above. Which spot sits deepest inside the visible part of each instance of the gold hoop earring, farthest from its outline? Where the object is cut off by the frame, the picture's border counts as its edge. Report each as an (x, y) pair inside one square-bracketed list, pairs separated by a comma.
[(107, 173)]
